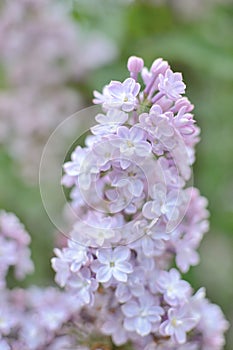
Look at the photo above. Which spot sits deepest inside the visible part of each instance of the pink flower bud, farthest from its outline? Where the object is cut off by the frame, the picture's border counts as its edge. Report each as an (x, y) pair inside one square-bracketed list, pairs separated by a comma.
[(135, 64)]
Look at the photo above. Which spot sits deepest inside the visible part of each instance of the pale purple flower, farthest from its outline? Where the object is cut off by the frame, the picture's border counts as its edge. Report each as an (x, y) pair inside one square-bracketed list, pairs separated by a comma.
[(132, 177), (184, 122), (132, 142), (142, 315), (76, 255), (161, 132), (120, 199), (73, 167), (83, 167), (105, 152), (175, 291), (119, 95), (113, 326), (133, 287), (179, 322), (157, 123), (152, 241), (61, 265), (171, 84), (186, 254), (96, 230), (163, 203), (82, 285), (212, 325), (113, 263), (109, 123)]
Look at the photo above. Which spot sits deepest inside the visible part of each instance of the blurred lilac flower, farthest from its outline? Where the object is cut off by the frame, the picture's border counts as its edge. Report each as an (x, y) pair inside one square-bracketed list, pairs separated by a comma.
[(142, 314), (175, 291), (41, 58), (178, 324)]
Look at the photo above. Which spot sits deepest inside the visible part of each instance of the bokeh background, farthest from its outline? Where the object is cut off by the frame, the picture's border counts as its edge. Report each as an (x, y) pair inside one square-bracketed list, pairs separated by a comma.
[(53, 54)]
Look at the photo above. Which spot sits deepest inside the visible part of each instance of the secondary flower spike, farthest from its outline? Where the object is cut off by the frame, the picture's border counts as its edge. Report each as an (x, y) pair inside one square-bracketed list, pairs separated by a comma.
[(137, 218)]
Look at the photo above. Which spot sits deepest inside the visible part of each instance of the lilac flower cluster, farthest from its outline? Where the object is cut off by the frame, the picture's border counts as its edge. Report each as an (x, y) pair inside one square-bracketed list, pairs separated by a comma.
[(136, 216), (14, 251), (41, 59), (34, 318)]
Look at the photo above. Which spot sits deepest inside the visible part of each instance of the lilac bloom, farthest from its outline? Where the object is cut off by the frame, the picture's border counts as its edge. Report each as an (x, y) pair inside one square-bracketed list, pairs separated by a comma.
[(119, 95), (82, 286), (105, 152), (113, 326), (133, 287), (186, 254), (212, 325), (163, 203), (113, 263), (157, 123), (120, 198), (109, 123), (179, 322), (72, 168), (82, 166), (132, 177), (96, 231), (171, 84), (142, 315), (175, 291), (132, 142), (76, 255), (159, 128), (152, 241), (61, 266), (184, 122)]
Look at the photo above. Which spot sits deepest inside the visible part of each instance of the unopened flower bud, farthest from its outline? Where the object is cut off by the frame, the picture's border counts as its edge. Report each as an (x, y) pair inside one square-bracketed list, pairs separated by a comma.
[(135, 64)]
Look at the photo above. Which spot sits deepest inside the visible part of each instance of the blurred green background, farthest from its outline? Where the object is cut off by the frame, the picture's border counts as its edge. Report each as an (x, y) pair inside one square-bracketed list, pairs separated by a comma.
[(198, 42)]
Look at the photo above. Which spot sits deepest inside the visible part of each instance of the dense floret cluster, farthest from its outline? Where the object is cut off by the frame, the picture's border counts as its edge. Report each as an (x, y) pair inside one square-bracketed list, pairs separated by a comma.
[(138, 224), (34, 318), (14, 251)]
